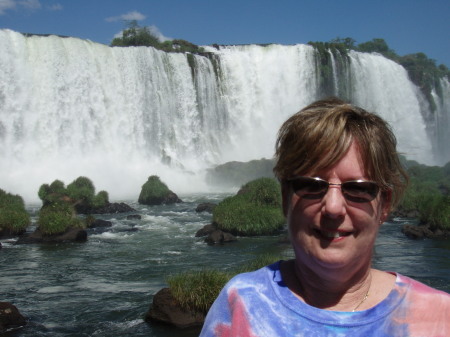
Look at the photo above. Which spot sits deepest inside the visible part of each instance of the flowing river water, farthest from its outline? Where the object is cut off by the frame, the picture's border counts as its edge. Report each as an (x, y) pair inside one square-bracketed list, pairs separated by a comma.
[(105, 286)]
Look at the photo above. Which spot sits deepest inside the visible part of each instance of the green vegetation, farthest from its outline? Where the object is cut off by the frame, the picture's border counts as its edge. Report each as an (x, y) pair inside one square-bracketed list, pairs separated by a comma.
[(80, 194), (325, 66), (377, 46), (428, 195), (81, 189), (153, 192), (422, 71), (196, 291), (61, 204), (100, 200), (14, 219), (57, 217), (255, 210), (135, 35)]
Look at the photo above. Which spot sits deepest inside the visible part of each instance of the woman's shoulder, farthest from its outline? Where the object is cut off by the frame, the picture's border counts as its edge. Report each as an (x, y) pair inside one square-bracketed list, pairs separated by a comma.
[(256, 278), (417, 291)]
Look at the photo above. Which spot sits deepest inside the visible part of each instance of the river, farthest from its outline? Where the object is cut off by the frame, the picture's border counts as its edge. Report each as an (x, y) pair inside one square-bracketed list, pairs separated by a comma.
[(105, 286)]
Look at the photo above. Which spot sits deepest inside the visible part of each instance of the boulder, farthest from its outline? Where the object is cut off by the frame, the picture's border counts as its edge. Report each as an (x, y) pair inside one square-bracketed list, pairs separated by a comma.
[(100, 223), (165, 309), (424, 231), (155, 192), (171, 198), (110, 208), (10, 317), (206, 230), (219, 237), (71, 235), (412, 231), (6, 233), (205, 207)]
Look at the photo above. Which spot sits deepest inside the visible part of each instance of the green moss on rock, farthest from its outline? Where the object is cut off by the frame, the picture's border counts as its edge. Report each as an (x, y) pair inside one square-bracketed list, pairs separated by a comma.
[(14, 219), (57, 218), (255, 210), (155, 192)]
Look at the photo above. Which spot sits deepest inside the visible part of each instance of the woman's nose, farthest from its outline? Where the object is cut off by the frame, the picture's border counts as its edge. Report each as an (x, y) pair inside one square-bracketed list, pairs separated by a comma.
[(334, 202)]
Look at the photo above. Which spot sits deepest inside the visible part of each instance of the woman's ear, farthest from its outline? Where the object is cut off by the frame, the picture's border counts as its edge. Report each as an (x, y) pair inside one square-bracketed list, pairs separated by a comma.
[(285, 197)]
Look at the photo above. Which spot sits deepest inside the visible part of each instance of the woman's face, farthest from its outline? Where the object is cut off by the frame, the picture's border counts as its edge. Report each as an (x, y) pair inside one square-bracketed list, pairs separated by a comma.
[(333, 232)]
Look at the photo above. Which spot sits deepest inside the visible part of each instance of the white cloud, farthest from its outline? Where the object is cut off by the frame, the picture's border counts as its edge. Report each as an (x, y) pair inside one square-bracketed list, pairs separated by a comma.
[(6, 5), (30, 4), (134, 15), (154, 30), (55, 7)]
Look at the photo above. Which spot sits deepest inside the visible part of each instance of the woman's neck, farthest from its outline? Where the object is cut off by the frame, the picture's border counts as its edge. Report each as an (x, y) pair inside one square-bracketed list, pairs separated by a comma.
[(332, 290)]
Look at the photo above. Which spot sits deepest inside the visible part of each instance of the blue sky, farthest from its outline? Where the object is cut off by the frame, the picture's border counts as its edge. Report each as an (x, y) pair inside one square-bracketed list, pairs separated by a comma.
[(408, 26)]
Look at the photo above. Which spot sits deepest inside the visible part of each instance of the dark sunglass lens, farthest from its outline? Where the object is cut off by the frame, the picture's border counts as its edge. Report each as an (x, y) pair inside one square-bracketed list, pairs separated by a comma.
[(360, 191), (309, 188)]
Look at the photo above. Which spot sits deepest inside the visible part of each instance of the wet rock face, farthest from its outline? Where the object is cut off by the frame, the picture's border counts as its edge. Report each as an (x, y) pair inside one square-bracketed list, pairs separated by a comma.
[(214, 236), (219, 237), (424, 231), (110, 208), (71, 235), (165, 309), (10, 317), (205, 207)]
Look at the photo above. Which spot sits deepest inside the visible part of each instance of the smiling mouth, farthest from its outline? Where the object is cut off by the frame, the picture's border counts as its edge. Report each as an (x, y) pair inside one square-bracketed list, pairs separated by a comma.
[(332, 234)]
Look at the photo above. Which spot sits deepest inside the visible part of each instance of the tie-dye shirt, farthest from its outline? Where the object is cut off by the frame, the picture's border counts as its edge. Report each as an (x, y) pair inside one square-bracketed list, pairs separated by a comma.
[(259, 304)]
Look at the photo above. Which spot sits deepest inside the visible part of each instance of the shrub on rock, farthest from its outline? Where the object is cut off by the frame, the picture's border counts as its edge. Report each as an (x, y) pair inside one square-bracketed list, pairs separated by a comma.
[(57, 218), (191, 294), (80, 194), (155, 192), (196, 291), (255, 210), (100, 200), (14, 219)]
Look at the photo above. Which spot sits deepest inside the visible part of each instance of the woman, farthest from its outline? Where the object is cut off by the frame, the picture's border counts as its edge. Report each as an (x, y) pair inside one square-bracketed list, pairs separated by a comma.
[(340, 177)]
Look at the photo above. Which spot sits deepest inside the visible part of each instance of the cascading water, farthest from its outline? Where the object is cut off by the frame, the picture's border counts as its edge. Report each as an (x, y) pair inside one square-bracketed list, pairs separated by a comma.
[(383, 86), (70, 107), (441, 121)]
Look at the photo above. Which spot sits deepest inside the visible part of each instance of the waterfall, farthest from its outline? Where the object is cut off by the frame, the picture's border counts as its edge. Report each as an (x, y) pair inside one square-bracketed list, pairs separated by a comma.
[(71, 107), (441, 122), (381, 85)]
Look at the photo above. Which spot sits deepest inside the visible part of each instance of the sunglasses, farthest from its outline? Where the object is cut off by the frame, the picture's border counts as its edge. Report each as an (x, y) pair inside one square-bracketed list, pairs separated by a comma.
[(359, 191)]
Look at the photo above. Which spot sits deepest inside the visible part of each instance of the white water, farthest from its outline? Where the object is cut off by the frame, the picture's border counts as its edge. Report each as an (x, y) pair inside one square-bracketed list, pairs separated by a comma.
[(71, 107), (381, 85)]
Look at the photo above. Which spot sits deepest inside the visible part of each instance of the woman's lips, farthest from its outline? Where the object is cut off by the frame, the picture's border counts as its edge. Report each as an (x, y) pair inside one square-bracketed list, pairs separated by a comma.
[(332, 234)]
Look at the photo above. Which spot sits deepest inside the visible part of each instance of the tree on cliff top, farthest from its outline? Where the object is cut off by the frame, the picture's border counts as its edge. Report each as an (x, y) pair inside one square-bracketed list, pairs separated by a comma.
[(136, 35)]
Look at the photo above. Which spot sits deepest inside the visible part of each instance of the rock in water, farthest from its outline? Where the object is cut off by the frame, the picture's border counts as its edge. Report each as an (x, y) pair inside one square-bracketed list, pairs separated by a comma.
[(165, 309), (10, 317)]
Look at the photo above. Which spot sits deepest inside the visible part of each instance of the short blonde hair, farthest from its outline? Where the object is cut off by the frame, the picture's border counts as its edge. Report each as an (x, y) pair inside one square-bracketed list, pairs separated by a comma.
[(318, 136)]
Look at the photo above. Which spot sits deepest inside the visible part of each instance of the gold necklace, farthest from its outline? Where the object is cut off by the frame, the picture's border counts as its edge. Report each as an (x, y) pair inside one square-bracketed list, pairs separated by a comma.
[(304, 297), (365, 298)]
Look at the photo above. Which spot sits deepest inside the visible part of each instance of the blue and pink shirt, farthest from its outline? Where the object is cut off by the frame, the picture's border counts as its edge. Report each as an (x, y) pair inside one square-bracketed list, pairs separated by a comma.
[(258, 304)]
